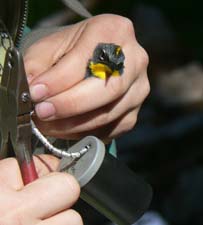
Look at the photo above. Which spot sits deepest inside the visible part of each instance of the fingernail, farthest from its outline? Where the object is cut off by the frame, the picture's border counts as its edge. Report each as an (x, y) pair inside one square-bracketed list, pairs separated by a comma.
[(45, 110), (38, 92)]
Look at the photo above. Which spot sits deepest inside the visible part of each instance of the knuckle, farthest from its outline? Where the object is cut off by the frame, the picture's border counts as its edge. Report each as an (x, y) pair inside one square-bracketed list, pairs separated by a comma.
[(69, 181), (101, 120), (113, 22), (29, 64), (64, 183), (130, 122), (75, 217), (141, 62), (33, 67), (121, 22), (144, 58), (71, 104), (125, 124), (146, 88), (126, 25)]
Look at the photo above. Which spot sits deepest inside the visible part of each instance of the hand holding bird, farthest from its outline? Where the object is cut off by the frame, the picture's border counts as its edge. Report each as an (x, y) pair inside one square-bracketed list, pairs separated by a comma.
[(69, 106)]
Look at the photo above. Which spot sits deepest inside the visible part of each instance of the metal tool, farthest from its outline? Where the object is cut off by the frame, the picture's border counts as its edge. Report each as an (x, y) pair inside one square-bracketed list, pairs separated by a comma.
[(15, 114), (15, 104), (107, 184)]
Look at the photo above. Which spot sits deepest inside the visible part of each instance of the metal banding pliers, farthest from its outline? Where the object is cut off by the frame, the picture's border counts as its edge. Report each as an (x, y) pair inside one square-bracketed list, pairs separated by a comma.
[(15, 114)]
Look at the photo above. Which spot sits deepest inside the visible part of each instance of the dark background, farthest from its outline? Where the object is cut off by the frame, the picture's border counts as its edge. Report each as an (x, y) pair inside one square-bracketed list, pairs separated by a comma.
[(185, 16)]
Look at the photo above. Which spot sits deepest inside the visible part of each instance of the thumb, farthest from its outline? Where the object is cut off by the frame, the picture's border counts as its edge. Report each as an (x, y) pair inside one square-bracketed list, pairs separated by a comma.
[(43, 48), (49, 195)]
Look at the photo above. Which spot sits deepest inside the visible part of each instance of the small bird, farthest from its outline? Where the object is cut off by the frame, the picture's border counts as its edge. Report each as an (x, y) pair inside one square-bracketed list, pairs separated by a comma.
[(108, 60)]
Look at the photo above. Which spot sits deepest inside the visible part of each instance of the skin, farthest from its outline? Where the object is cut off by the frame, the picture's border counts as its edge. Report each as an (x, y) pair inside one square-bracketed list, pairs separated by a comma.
[(33, 204), (71, 107)]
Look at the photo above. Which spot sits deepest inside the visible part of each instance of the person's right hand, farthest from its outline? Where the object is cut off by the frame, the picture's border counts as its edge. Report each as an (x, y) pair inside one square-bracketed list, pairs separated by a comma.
[(46, 201), (70, 107)]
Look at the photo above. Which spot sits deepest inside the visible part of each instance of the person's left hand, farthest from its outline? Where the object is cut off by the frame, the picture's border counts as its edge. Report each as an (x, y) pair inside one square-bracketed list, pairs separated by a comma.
[(45, 201), (69, 106)]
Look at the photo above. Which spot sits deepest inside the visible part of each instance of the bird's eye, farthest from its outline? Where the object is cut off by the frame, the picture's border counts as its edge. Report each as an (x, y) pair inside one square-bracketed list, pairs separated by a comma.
[(120, 65), (103, 56)]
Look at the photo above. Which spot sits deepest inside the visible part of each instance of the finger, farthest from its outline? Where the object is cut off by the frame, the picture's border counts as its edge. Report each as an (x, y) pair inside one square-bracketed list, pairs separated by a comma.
[(62, 64), (118, 127), (36, 62), (70, 70), (99, 117), (49, 195), (10, 175), (69, 217), (65, 74), (108, 132), (81, 98), (73, 65), (122, 125), (45, 164), (40, 57)]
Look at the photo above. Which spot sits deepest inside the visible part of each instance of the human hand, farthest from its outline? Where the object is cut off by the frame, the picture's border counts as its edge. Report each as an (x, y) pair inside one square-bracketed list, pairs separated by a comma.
[(69, 106), (46, 201)]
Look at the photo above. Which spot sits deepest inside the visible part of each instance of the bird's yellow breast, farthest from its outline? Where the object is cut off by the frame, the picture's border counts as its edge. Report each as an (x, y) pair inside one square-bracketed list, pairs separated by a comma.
[(102, 71)]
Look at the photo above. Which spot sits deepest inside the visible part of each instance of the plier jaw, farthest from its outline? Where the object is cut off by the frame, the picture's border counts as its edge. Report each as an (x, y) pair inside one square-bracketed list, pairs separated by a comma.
[(15, 110)]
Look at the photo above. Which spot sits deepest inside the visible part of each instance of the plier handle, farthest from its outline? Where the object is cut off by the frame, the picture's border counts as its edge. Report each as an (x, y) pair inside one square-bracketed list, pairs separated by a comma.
[(15, 114)]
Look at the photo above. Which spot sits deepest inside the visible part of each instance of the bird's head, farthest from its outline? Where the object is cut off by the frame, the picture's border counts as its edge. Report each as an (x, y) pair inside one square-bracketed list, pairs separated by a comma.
[(107, 60)]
